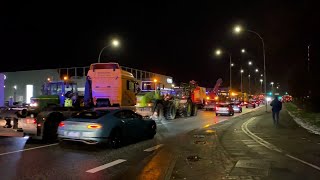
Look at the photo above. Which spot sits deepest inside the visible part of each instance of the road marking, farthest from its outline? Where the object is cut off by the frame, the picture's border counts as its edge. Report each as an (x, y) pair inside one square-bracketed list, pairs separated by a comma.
[(28, 149), (153, 148), (105, 166), (270, 146)]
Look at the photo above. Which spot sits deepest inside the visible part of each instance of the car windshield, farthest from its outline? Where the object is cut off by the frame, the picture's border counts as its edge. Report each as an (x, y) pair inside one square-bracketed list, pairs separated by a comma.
[(90, 114)]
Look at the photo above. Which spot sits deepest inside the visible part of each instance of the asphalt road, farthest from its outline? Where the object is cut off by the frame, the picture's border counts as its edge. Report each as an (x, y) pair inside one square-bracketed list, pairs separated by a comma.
[(21, 159)]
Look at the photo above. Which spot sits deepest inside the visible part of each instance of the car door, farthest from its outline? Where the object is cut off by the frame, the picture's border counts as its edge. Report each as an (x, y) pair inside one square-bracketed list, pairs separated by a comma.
[(130, 124), (135, 123)]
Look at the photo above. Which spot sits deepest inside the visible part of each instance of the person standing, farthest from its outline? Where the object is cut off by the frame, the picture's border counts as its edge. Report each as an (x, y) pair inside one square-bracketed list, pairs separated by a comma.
[(276, 108)]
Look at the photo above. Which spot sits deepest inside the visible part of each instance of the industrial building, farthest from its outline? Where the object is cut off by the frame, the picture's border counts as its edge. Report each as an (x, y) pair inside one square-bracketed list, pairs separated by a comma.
[(20, 86)]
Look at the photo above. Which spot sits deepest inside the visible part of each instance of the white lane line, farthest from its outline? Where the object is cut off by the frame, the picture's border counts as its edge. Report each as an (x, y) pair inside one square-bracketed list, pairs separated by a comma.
[(105, 166), (302, 161), (270, 146), (153, 148), (28, 149)]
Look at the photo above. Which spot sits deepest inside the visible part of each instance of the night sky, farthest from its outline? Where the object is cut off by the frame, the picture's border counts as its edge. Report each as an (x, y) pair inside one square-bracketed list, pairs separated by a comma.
[(176, 38)]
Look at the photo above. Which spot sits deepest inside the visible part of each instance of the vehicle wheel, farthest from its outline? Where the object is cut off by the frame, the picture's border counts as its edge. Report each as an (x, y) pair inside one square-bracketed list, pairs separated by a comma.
[(158, 113), (246, 106), (170, 111), (194, 110), (51, 127), (188, 110), (240, 111), (232, 114), (115, 140), (254, 106), (152, 129)]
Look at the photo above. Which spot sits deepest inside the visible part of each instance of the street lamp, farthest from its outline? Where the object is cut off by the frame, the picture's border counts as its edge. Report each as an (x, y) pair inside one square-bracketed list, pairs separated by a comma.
[(218, 53), (243, 50), (238, 29), (261, 80), (272, 83), (257, 70), (241, 71), (114, 43), (250, 63), (249, 84)]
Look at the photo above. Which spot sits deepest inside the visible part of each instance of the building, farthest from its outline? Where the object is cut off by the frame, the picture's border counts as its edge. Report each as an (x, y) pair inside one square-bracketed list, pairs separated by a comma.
[(20, 86)]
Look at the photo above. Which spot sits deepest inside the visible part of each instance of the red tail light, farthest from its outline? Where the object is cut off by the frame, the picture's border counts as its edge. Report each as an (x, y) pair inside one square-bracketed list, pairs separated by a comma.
[(61, 124)]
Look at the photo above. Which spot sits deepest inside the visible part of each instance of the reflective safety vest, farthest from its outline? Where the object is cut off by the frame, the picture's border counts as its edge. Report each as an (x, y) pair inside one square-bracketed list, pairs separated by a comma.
[(68, 102)]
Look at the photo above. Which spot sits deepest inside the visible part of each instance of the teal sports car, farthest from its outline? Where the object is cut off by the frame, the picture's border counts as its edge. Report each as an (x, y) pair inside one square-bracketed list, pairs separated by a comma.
[(113, 127)]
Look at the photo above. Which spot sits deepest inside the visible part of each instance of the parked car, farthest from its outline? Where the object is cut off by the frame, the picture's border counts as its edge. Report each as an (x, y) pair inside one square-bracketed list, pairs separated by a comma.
[(111, 127), (224, 109), (237, 107)]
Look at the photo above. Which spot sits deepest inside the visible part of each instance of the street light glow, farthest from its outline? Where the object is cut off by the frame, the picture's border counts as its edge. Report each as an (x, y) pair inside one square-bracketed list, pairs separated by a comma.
[(261, 75), (261, 80), (232, 64), (115, 43), (272, 83), (243, 50), (250, 63), (241, 71), (218, 52), (237, 29), (257, 70)]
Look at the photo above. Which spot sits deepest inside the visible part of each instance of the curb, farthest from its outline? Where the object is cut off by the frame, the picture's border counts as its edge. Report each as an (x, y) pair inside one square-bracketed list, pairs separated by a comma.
[(311, 128)]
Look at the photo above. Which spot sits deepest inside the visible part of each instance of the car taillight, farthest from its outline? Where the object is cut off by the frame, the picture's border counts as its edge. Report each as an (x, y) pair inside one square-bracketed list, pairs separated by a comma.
[(94, 126), (239, 106), (61, 124)]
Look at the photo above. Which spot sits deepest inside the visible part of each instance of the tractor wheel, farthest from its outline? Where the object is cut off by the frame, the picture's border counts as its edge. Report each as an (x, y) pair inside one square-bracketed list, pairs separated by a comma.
[(158, 113), (185, 109), (194, 110), (170, 111)]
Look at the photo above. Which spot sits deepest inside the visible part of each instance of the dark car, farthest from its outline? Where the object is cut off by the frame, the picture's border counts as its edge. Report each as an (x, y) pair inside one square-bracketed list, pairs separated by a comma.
[(224, 109), (105, 126)]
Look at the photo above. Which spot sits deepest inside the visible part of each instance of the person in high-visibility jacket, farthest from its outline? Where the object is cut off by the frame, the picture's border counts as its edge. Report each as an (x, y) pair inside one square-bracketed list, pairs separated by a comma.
[(68, 102)]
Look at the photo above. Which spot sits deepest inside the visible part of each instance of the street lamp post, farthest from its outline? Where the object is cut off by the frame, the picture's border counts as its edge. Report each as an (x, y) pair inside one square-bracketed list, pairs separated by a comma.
[(241, 71), (238, 29), (114, 43), (272, 83), (261, 80), (218, 53), (249, 84)]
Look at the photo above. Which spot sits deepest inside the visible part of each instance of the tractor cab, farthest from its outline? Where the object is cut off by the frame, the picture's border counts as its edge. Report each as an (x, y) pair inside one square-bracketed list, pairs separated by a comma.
[(59, 93)]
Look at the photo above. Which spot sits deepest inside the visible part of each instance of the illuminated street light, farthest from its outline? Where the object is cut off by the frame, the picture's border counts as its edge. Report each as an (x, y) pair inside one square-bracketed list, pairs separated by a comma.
[(250, 63), (241, 71), (65, 78), (272, 83), (257, 70), (238, 29), (15, 87), (243, 50), (114, 43), (218, 52), (261, 75)]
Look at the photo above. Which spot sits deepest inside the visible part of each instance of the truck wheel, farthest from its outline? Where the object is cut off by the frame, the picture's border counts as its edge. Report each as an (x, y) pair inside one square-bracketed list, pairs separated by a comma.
[(158, 113), (194, 110), (170, 111), (51, 127)]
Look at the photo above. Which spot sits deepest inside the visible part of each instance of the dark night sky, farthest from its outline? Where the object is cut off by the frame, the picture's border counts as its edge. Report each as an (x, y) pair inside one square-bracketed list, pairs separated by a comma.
[(176, 38)]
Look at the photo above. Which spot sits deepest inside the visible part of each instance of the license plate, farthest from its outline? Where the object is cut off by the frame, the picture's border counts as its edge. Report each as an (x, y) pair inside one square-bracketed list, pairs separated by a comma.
[(145, 109), (74, 134)]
